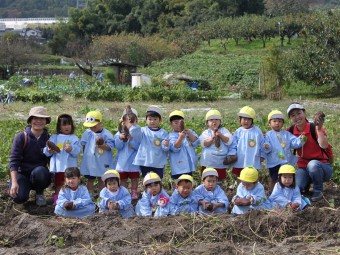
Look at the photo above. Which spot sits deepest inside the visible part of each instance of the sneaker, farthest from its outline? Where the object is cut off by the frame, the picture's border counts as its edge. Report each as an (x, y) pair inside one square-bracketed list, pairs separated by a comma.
[(55, 198), (40, 200), (316, 196), (134, 194)]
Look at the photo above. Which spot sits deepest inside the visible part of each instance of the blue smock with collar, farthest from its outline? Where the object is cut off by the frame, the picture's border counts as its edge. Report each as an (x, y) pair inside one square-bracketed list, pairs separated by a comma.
[(147, 205), (282, 196), (179, 205)]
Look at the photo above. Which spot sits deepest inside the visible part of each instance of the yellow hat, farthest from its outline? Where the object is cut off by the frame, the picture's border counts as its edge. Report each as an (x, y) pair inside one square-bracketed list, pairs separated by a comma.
[(185, 177), (176, 113), (213, 115), (247, 112), (110, 174), (93, 118), (209, 171), (275, 114), (249, 174), (151, 177), (287, 169)]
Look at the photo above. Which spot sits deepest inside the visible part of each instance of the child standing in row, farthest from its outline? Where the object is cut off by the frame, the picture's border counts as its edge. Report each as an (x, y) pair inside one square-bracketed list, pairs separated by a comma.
[(183, 157), (115, 198), (64, 148), (152, 153), (250, 194), (98, 144), (247, 143), (182, 199), (154, 201), (211, 198), (74, 199), (278, 144), (127, 146), (286, 193), (215, 142)]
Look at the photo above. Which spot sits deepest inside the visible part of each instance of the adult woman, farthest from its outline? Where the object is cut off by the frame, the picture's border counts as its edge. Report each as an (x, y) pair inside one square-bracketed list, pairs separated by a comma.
[(313, 163), (28, 164)]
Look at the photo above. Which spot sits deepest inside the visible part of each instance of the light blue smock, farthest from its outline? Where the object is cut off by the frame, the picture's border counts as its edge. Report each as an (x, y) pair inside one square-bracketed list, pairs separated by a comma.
[(152, 152), (212, 156), (179, 205), (282, 196), (122, 197), (215, 196), (258, 194), (62, 160), (127, 151), (95, 161), (247, 146), (81, 199), (183, 159), (147, 205)]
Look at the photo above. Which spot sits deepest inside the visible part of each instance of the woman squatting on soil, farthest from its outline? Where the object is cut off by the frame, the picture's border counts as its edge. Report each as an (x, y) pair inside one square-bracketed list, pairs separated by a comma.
[(28, 164), (314, 157)]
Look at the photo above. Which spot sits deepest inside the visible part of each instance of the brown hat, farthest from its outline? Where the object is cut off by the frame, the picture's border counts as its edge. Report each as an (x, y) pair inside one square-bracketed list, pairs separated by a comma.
[(40, 112)]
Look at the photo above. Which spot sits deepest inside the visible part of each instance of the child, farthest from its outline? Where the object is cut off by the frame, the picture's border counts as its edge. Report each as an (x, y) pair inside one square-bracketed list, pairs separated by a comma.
[(152, 153), (211, 198), (127, 146), (250, 194), (286, 193), (183, 157), (65, 151), (154, 201), (247, 143), (278, 144), (74, 199), (215, 141), (98, 144), (182, 199), (115, 198)]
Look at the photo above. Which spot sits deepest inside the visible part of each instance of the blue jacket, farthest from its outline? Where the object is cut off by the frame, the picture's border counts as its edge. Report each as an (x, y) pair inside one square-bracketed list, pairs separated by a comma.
[(179, 205), (147, 205), (123, 198), (258, 194), (215, 196), (282, 196), (81, 199), (183, 159)]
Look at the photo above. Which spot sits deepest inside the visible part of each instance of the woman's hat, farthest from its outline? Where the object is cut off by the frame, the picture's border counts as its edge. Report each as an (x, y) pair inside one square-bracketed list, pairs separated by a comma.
[(294, 106), (93, 118), (208, 172), (38, 111), (110, 174)]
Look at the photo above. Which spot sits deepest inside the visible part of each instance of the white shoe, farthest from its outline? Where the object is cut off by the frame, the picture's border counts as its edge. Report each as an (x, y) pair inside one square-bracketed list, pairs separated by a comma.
[(40, 200)]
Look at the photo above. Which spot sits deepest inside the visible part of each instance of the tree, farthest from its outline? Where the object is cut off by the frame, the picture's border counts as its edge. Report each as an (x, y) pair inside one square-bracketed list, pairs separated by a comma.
[(284, 7), (15, 52)]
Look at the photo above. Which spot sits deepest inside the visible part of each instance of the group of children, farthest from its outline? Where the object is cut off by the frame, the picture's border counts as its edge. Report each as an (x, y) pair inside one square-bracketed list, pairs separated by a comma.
[(145, 151)]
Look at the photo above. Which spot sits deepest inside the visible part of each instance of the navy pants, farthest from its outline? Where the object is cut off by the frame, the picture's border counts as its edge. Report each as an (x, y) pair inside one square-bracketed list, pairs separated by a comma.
[(38, 179)]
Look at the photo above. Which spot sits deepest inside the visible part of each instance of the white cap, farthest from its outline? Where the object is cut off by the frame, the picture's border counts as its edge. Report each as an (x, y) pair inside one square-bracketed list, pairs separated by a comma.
[(153, 108), (294, 106)]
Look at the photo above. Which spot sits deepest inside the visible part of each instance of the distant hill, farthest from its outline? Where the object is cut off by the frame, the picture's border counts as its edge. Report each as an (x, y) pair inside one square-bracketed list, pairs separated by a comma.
[(35, 8)]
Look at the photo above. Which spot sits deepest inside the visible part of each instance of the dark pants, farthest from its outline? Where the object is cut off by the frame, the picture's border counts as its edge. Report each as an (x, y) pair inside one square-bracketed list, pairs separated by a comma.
[(38, 179), (147, 169)]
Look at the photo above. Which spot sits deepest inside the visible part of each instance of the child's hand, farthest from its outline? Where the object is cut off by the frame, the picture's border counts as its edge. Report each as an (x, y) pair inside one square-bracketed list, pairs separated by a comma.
[(69, 205), (242, 201), (166, 142), (208, 206), (123, 137)]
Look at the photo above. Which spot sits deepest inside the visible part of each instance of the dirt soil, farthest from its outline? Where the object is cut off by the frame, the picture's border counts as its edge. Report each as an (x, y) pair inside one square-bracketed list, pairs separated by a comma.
[(28, 229)]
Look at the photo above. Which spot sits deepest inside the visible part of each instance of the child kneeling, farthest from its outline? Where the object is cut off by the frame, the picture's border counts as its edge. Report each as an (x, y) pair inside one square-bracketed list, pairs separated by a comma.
[(115, 198), (286, 194), (154, 201), (250, 194), (211, 198), (182, 199), (74, 199)]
